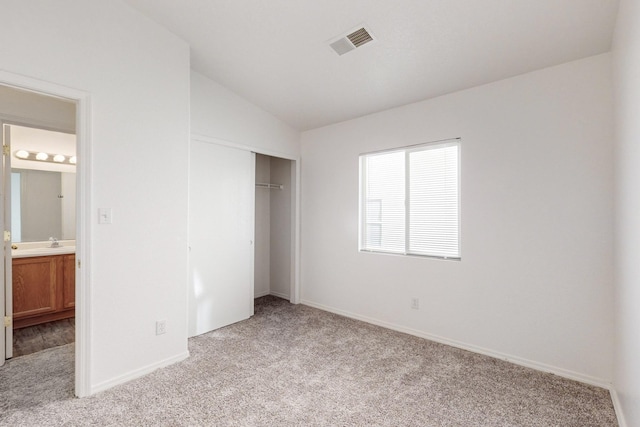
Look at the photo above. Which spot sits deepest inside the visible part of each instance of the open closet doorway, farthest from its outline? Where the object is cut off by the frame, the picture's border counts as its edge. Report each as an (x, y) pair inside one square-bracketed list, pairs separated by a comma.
[(274, 216), (243, 232)]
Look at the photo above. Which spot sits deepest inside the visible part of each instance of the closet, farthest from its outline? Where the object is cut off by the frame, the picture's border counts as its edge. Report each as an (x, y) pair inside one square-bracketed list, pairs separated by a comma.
[(273, 219), (241, 238)]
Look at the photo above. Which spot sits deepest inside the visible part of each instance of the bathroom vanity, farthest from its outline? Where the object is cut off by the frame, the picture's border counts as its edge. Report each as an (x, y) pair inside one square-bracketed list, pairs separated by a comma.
[(43, 285)]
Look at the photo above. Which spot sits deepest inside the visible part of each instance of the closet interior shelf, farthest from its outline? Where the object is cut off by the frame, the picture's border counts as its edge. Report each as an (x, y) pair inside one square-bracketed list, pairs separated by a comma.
[(269, 185)]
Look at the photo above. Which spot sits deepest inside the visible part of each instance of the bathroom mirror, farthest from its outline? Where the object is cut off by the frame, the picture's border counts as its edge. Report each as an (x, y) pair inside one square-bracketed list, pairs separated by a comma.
[(42, 205), (43, 183)]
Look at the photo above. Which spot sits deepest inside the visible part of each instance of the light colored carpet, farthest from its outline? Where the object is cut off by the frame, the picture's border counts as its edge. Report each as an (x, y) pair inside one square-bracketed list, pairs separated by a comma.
[(298, 366)]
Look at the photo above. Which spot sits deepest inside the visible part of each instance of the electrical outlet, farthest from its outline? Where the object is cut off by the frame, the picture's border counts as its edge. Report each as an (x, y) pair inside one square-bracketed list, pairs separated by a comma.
[(415, 303), (161, 327)]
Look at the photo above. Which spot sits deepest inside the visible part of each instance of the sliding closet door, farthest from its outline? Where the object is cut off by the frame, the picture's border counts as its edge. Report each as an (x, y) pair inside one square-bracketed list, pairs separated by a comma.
[(221, 227)]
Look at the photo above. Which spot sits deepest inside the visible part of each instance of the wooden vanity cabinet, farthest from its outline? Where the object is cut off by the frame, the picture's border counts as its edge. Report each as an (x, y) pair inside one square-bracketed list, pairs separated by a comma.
[(43, 289), (69, 281)]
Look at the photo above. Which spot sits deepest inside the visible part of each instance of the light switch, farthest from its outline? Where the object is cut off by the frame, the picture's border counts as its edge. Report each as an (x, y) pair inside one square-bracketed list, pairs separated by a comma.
[(105, 216)]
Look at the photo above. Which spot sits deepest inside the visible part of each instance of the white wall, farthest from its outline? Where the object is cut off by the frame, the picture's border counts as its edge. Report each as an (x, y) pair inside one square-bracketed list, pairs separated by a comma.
[(626, 54), (280, 245), (216, 112), (535, 281), (137, 76), (262, 233)]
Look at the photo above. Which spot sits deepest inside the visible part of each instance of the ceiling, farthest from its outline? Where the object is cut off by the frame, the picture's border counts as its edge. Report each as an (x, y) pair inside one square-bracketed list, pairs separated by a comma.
[(275, 53)]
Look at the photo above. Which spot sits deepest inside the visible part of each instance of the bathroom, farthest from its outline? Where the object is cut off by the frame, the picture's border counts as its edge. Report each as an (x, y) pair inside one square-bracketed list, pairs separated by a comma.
[(39, 182)]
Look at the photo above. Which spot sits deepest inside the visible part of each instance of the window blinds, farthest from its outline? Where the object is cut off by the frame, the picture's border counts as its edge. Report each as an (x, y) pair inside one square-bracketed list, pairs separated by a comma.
[(410, 200)]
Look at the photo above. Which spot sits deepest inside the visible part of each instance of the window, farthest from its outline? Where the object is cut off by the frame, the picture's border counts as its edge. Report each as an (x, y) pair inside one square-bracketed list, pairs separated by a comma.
[(409, 200)]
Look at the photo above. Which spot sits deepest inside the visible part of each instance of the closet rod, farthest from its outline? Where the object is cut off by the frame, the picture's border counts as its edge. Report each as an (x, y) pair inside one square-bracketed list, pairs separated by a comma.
[(269, 185)]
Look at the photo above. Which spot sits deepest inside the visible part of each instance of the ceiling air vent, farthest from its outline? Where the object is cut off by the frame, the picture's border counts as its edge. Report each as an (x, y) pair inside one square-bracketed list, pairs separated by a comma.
[(351, 41)]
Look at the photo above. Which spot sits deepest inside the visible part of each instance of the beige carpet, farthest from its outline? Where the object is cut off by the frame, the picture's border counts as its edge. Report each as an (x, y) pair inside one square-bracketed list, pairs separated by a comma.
[(298, 366)]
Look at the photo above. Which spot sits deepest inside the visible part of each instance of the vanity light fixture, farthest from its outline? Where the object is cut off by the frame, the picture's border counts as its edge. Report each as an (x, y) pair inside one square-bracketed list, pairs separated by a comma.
[(40, 156)]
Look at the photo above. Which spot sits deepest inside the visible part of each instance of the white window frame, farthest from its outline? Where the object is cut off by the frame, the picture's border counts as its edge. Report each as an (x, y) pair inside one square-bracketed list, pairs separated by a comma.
[(407, 150)]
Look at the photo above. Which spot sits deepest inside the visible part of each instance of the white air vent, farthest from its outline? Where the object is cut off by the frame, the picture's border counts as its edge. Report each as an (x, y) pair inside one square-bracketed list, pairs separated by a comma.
[(351, 41)]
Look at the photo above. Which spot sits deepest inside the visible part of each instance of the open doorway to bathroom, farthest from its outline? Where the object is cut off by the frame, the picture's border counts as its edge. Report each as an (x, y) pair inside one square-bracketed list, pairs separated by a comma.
[(39, 219), (42, 193)]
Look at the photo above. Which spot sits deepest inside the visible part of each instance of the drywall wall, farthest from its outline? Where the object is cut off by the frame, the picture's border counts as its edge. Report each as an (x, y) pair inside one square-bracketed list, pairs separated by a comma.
[(136, 75), (216, 112), (281, 219), (262, 236), (626, 66), (535, 281)]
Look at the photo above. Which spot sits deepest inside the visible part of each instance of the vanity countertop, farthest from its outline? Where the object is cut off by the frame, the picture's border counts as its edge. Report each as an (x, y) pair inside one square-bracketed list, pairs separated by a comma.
[(26, 250)]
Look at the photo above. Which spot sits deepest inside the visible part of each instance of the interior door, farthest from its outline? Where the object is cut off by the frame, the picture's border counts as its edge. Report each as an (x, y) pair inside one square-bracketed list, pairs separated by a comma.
[(221, 228)]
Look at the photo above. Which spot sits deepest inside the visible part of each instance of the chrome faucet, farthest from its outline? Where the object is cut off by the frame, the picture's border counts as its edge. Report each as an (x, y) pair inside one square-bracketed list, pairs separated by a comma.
[(54, 242)]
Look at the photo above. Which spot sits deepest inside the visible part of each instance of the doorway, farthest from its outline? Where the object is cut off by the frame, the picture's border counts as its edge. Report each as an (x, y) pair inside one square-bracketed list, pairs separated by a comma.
[(40, 192), (229, 204), (36, 104), (274, 207)]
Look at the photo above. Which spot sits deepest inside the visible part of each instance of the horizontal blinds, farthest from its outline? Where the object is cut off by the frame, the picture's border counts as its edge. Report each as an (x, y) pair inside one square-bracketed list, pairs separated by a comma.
[(433, 198), (410, 201)]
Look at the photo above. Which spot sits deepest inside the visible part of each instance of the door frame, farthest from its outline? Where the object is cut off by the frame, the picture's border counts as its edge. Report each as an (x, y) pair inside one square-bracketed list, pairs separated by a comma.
[(294, 296), (83, 224), (6, 294)]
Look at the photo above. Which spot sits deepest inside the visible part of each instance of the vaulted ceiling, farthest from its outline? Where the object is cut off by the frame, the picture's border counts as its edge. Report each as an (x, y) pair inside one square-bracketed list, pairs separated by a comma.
[(276, 53)]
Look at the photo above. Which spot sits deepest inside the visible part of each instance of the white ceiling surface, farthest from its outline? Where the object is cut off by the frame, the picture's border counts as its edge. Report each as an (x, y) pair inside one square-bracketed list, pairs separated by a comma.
[(275, 53)]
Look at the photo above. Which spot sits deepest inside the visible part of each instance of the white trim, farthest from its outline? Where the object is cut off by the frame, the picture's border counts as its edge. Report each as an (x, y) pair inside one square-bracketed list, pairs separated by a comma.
[(83, 247), (280, 295), (294, 298), (576, 376), (261, 294), (137, 373), (617, 407), (252, 237), (226, 143), (295, 226), (83, 226)]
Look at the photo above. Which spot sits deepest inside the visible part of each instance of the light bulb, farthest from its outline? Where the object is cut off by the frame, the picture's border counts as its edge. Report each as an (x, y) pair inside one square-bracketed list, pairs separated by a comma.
[(42, 156), (72, 160), (59, 158), (22, 154)]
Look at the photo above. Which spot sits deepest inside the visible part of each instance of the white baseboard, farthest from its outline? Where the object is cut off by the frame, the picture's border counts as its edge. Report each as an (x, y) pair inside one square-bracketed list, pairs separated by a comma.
[(260, 294), (576, 376), (138, 373), (279, 295), (617, 406)]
